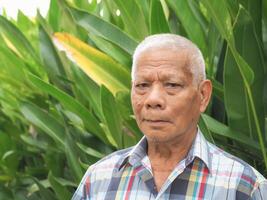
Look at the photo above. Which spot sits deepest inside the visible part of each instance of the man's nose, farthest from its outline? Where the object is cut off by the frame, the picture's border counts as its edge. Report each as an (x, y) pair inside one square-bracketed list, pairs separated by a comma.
[(155, 98)]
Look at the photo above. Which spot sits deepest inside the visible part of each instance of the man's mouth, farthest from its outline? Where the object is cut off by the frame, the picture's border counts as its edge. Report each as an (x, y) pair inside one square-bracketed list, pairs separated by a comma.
[(156, 121)]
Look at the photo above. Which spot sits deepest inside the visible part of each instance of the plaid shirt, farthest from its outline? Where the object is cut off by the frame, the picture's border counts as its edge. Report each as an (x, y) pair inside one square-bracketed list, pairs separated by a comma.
[(207, 172)]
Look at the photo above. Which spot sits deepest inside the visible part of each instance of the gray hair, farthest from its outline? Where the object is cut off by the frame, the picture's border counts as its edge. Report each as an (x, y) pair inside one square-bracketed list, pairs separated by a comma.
[(173, 42)]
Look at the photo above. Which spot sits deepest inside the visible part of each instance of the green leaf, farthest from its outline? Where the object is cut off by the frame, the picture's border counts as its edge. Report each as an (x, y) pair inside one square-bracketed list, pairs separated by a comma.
[(34, 142), (5, 178), (9, 157), (12, 66), (44, 121), (133, 18), (189, 22), (222, 20), (64, 182), (84, 165), (158, 22), (112, 116), (112, 50), (11, 161), (71, 104), (90, 151), (131, 132), (54, 15), (245, 70), (264, 7), (55, 160), (248, 113), (215, 53), (29, 29), (45, 193), (16, 40), (205, 130), (73, 157), (237, 103), (86, 5), (99, 27), (61, 191), (197, 11), (221, 129), (219, 13), (218, 89), (50, 57), (66, 21), (88, 89), (5, 193), (144, 6)]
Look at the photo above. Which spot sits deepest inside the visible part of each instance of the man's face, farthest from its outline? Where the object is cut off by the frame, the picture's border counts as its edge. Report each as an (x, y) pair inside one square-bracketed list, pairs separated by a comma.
[(165, 100)]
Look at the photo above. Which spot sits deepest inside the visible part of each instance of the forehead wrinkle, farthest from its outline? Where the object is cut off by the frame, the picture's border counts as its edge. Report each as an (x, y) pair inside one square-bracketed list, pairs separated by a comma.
[(149, 64), (158, 63), (160, 74)]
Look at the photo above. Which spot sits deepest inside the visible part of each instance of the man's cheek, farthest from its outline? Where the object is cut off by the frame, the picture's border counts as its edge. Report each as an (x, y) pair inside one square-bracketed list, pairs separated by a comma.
[(137, 103)]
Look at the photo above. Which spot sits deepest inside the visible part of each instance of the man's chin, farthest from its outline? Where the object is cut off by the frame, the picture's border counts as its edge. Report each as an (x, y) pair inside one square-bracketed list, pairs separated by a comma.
[(163, 137), (158, 138)]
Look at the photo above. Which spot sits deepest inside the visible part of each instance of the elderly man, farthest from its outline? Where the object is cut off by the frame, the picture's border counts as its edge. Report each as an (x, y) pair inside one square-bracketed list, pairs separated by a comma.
[(173, 160)]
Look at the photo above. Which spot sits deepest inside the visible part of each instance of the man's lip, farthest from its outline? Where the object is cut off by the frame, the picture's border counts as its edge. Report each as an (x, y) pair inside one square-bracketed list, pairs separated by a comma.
[(155, 120)]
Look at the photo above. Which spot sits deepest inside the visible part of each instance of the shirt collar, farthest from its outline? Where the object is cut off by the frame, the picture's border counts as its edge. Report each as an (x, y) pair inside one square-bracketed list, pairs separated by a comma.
[(199, 149), (135, 155)]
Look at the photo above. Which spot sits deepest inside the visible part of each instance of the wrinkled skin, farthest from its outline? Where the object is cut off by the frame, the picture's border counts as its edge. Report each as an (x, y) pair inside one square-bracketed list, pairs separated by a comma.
[(166, 101)]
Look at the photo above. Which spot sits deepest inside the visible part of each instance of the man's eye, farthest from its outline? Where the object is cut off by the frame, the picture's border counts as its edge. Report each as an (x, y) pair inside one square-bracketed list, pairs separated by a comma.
[(142, 85), (173, 85)]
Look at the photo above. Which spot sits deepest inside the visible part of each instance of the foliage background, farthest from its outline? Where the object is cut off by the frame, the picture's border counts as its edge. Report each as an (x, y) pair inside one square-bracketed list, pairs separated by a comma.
[(65, 81)]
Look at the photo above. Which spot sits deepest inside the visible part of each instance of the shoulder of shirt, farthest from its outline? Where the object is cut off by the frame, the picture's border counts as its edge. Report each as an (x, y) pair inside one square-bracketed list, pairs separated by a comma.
[(246, 170), (110, 161)]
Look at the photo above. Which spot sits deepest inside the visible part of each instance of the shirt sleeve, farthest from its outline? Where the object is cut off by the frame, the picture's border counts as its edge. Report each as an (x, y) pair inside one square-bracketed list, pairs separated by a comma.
[(83, 190), (260, 193)]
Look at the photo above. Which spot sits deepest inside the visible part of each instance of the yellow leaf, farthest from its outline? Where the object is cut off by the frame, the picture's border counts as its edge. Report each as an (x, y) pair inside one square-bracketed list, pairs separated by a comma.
[(98, 66)]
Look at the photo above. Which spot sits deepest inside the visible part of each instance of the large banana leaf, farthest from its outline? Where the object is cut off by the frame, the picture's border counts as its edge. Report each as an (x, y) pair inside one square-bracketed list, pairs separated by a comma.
[(98, 26), (157, 19), (50, 58), (54, 15), (100, 67), (112, 50), (195, 32), (133, 18)]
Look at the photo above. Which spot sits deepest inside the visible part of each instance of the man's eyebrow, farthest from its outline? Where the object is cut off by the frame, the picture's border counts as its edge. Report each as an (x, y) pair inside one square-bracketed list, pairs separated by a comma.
[(162, 78), (142, 79)]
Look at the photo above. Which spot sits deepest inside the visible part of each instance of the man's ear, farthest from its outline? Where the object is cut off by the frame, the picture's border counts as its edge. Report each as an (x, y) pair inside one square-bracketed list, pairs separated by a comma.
[(205, 89)]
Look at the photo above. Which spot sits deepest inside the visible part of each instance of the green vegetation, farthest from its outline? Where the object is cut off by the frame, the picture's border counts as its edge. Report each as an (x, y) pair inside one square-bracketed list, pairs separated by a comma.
[(65, 85)]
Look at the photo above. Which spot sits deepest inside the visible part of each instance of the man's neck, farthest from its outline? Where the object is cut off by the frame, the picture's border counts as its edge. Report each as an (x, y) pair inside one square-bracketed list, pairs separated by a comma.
[(165, 156), (172, 151)]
